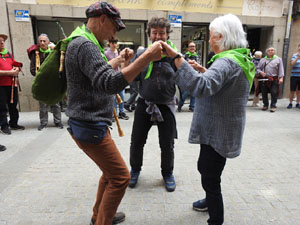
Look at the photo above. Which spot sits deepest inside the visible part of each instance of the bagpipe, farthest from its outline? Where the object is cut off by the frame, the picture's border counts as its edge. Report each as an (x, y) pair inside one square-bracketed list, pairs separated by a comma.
[(15, 79)]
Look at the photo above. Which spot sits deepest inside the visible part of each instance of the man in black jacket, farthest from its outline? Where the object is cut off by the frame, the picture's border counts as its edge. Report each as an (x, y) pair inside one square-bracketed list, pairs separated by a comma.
[(155, 106)]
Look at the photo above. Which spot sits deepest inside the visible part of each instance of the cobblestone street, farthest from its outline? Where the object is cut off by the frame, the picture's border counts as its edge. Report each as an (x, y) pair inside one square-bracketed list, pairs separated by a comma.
[(45, 179)]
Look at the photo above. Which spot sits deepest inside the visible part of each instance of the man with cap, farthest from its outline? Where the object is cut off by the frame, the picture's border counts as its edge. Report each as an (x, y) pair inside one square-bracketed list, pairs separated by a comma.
[(8, 90), (92, 83)]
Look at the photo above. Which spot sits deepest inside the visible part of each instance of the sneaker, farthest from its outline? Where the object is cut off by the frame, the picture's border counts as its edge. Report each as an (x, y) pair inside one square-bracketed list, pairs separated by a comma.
[(118, 218), (178, 109), (2, 148), (191, 109), (127, 107), (200, 205), (170, 184), (273, 110), (298, 105), (123, 116), (41, 127), (6, 130), (16, 127), (134, 177), (290, 106), (264, 108), (59, 125)]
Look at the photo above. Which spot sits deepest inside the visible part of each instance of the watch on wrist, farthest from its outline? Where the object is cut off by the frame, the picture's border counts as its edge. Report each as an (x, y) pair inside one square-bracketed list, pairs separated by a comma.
[(179, 55)]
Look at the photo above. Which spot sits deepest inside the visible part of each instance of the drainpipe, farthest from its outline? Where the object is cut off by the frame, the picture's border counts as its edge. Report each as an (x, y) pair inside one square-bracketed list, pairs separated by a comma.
[(286, 42)]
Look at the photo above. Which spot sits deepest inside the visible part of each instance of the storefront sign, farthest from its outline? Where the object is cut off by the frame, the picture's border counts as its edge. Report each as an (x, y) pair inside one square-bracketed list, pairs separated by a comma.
[(175, 20), (203, 6), (22, 15)]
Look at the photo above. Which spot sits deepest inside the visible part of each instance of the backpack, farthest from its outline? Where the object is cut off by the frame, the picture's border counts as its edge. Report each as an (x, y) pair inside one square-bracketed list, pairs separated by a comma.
[(50, 83)]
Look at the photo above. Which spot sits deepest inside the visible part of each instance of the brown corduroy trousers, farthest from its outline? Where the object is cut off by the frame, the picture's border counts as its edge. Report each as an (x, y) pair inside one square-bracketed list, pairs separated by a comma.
[(114, 180)]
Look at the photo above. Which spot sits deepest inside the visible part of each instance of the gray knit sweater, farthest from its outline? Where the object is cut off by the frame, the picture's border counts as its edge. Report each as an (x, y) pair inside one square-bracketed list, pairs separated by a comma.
[(92, 83), (221, 97)]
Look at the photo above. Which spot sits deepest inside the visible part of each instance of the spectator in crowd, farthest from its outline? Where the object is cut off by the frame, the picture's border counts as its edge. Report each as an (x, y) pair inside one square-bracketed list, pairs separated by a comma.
[(270, 67), (295, 79), (111, 53), (8, 90), (37, 56), (256, 59), (191, 54)]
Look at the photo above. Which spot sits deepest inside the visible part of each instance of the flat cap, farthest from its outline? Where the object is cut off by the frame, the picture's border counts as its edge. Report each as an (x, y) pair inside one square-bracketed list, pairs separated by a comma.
[(99, 8)]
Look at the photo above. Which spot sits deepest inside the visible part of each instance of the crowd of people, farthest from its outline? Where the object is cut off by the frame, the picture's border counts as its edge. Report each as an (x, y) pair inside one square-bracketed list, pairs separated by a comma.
[(218, 98)]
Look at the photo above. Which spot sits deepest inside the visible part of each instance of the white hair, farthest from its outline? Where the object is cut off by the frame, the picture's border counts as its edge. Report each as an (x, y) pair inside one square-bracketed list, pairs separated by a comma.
[(258, 53), (231, 29), (272, 48), (43, 35)]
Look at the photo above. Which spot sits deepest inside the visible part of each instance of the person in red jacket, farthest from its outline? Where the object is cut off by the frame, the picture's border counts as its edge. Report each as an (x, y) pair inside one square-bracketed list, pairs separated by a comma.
[(8, 90)]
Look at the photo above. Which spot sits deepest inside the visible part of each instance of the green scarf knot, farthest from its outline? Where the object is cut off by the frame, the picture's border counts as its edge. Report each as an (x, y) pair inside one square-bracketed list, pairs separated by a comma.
[(189, 54), (3, 53), (47, 51), (163, 56), (274, 57), (242, 57)]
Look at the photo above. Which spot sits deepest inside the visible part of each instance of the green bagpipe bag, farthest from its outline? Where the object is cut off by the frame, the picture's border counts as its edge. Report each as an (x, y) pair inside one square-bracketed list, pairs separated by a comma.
[(50, 83)]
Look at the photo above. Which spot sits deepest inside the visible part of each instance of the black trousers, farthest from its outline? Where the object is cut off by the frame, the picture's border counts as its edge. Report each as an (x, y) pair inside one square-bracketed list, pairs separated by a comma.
[(273, 89), (210, 166), (7, 107), (166, 130)]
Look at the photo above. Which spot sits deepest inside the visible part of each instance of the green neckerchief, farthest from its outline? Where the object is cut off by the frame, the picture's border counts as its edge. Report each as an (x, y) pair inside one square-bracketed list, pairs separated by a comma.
[(191, 54), (242, 57), (3, 53), (163, 56), (274, 57), (45, 51), (85, 32)]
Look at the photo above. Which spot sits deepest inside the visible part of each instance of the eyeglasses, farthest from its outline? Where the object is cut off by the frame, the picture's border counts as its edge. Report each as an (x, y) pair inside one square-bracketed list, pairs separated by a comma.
[(192, 46)]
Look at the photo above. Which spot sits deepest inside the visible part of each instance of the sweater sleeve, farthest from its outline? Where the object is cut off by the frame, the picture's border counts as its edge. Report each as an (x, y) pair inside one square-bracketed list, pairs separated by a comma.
[(208, 83), (95, 68)]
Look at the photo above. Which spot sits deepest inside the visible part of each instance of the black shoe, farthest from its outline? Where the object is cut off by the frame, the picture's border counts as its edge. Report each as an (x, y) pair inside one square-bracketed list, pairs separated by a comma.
[(2, 148), (132, 107), (41, 127), (178, 109), (123, 116), (134, 177), (191, 109), (59, 125), (118, 218), (16, 127), (200, 205), (127, 107), (6, 130)]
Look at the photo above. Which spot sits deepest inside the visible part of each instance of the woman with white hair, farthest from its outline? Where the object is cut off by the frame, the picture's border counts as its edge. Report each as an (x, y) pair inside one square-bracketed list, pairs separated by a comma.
[(221, 96)]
